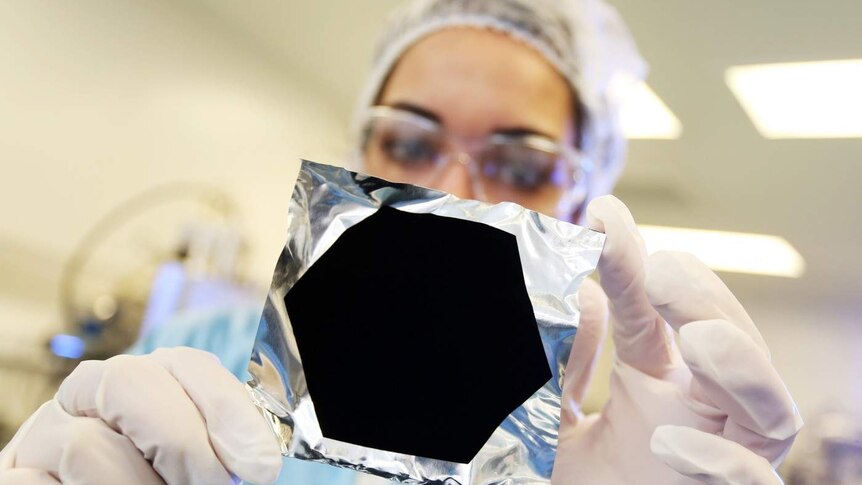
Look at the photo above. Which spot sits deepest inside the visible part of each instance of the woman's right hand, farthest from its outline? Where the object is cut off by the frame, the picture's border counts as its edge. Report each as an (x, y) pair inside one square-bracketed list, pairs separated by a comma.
[(175, 416)]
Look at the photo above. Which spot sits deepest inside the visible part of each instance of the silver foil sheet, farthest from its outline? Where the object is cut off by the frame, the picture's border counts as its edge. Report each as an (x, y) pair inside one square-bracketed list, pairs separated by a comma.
[(555, 256)]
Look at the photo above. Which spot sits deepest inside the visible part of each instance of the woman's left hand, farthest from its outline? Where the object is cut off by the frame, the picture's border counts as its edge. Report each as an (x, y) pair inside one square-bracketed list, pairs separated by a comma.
[(712, 410)]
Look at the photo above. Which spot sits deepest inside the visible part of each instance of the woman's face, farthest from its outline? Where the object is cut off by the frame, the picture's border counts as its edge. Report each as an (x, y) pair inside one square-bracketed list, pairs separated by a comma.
[(477, 83)]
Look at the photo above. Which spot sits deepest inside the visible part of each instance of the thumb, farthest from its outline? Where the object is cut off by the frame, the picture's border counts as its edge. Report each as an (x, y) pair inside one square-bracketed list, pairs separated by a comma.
[(587, 346)]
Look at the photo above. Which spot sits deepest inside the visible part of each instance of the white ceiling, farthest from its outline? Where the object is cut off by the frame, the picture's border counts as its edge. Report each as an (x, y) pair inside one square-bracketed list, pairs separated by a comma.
[(721, 174)]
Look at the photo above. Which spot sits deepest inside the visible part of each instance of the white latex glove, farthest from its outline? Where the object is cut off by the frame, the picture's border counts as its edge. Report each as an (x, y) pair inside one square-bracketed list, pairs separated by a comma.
[(712, 411), (175, 416)]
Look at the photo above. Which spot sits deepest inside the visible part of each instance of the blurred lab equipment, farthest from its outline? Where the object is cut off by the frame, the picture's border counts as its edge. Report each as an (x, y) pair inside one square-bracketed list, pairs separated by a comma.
[(830, 451), (164, 250), (168, 249)]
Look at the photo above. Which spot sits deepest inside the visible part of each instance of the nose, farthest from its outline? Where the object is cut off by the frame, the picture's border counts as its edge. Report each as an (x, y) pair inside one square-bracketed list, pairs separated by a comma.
[(455, 178)]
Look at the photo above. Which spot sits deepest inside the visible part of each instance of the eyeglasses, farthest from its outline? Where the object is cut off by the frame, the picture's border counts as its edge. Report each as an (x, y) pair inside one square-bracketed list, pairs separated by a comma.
[(528, 169)]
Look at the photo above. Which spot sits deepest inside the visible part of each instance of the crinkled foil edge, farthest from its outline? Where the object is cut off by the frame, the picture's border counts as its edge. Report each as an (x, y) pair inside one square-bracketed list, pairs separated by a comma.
[(556, 257)]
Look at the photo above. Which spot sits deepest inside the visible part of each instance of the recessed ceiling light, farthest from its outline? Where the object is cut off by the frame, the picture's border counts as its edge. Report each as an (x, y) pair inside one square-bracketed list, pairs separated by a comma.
[(733, 252), (803, 99), (644, 115)]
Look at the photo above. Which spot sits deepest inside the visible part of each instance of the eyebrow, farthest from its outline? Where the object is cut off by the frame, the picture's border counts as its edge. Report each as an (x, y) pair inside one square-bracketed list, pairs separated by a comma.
[(514, 131), (520, 132), (418, 110)]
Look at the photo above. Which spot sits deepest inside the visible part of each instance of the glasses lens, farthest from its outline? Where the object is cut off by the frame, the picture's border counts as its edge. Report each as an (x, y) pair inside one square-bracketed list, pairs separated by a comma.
[(523, 167), (535, 175), (401, 143), (532, 170)]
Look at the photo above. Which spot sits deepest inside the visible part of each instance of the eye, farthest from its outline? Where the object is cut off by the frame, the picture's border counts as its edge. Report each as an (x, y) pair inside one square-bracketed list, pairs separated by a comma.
[(520, 167), (526, 176), (408, 149)]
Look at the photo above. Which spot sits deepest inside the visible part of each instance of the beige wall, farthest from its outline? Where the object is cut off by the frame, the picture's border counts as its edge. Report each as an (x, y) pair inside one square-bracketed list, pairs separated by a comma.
[(100, 100)]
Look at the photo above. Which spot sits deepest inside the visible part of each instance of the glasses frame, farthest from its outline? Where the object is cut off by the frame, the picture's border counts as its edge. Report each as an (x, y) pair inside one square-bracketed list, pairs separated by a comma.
[(462, 151)]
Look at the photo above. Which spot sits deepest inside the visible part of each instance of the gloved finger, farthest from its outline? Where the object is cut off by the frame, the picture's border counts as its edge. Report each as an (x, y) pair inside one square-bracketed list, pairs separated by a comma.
[(735, 375), (9, 454), (709, 458), (139, 398), (26, 476), (82, 450), (239, 435), (586, 348), (97, 454), (642, 338), (683, 289)]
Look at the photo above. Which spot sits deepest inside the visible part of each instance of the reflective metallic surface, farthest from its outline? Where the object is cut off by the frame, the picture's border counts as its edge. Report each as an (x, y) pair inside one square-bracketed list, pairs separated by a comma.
[(555, 256)]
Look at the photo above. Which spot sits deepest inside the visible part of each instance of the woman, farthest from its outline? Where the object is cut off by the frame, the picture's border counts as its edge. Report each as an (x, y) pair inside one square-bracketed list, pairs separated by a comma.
[(496, 100)]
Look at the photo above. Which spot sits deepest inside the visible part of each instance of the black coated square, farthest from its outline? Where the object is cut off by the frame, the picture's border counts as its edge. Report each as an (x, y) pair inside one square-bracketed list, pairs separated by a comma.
[(417, 334)]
